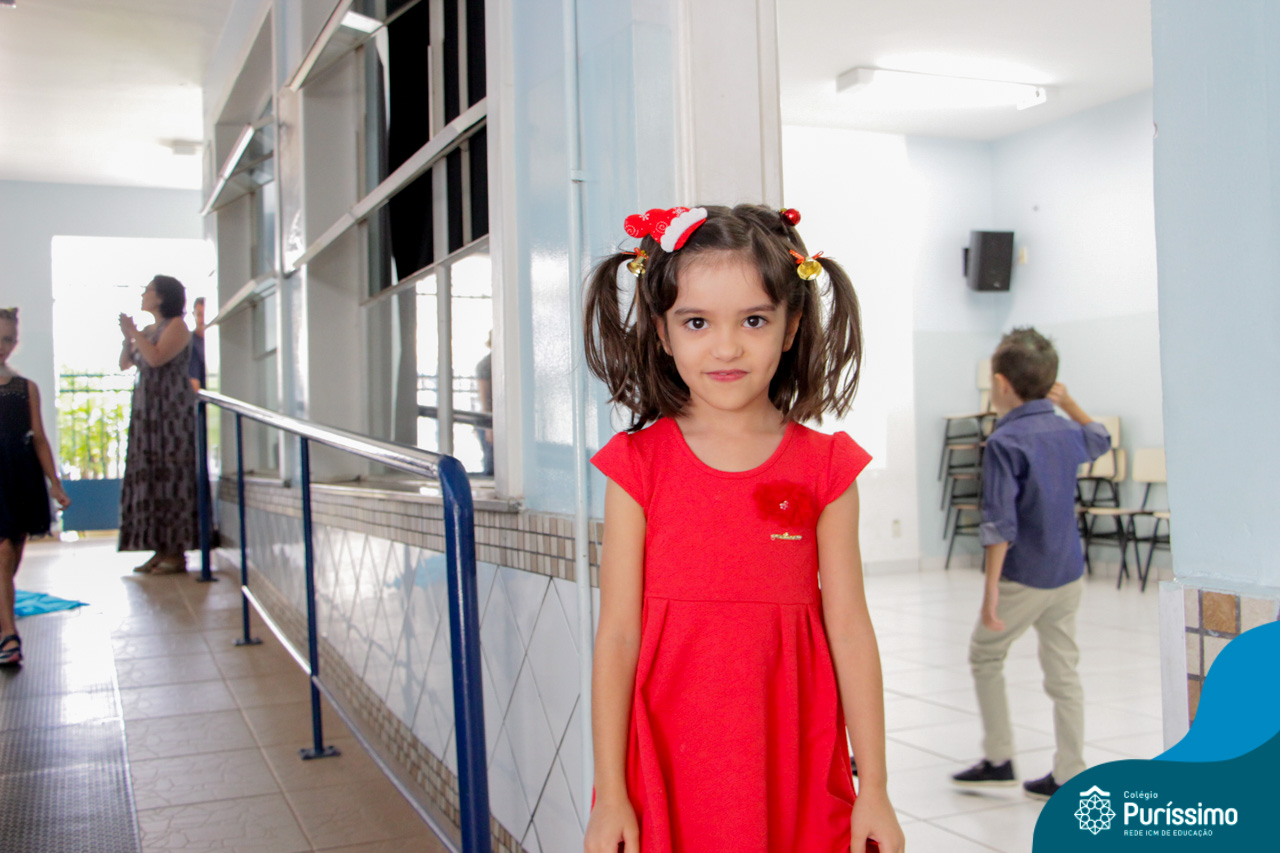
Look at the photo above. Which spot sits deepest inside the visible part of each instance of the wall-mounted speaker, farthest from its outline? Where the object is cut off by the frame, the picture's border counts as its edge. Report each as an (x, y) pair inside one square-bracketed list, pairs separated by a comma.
[(988, 262)]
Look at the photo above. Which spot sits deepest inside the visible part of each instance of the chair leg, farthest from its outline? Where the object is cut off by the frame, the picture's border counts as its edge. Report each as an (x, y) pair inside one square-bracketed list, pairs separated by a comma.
[(1155, 536), (951, 541), (1122, 536)]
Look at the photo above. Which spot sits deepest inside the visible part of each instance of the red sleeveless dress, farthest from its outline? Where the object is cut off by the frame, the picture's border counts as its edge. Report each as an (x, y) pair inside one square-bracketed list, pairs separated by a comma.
[(736, 738)]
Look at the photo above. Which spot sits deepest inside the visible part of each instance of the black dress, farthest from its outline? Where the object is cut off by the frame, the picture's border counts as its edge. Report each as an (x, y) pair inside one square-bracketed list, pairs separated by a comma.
[(24, 500)]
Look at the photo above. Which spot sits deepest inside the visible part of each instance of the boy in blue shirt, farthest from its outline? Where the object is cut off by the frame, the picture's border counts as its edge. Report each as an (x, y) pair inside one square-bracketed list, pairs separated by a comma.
[(1034, 563)]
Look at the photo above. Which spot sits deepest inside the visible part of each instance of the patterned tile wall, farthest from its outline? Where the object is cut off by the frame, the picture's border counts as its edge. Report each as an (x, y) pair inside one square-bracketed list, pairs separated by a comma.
[(1214, 619), (382, 611)]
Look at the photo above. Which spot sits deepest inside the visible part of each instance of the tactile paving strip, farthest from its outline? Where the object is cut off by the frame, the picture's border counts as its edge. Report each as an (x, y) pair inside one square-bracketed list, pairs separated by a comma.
[(64, 780)]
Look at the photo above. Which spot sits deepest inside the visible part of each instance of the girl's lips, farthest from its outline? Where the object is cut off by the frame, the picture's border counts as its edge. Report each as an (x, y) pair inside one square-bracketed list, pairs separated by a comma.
[(726, 375)]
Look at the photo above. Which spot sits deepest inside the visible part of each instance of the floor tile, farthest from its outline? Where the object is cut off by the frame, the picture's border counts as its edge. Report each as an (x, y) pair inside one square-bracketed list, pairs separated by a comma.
[(1008, 828), (352, 765), (225, 775), (274, 725), (157, 645), (281, 688), (189, 734), (262, 824), (175, 699), (353, 814), (171, 669)]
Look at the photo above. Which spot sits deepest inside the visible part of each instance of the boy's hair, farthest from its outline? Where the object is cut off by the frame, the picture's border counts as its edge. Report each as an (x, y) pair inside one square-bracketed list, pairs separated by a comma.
[(173, 296), (1028, 360), (9, 314), (818, 374)]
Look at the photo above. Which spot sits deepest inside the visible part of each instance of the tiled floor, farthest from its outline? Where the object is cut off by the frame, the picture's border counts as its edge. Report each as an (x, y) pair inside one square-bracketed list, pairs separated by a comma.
[(213, 730), (923, 622)]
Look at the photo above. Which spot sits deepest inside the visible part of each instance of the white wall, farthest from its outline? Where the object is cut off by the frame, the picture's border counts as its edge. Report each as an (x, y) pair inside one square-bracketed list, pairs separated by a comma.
[(32, 214), (897, 212)]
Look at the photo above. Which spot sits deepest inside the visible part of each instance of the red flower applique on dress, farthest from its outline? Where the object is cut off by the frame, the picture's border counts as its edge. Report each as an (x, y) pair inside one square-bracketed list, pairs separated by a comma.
[(788, 505)]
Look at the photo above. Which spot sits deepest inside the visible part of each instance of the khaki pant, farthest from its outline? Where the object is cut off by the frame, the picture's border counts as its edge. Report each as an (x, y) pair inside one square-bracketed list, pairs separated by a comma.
[(1053, 614)]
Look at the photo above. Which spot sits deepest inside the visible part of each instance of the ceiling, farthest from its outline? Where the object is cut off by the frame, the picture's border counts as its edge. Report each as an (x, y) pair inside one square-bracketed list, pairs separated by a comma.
[(1088, 52), (96, 91)]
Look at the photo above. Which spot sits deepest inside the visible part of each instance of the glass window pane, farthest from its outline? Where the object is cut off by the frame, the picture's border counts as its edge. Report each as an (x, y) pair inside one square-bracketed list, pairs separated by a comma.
[(472, 316)]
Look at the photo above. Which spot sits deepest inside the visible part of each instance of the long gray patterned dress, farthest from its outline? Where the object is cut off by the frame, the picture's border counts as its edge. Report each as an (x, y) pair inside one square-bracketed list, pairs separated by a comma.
[(158, 496)]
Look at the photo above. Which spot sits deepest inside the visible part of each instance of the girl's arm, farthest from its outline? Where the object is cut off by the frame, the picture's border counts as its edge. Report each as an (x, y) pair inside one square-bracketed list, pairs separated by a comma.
[(614, 671), (172, 341), (857, 663), (41, 443)]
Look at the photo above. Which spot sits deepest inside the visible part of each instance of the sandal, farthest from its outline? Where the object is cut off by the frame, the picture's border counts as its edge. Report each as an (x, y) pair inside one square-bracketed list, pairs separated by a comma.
[(13, 656), (148, 565), (170, 566)]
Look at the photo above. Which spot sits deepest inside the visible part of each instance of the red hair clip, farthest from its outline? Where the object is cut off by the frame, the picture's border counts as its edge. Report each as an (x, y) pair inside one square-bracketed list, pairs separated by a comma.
[(669, 227), (807, 268), (791, 216)]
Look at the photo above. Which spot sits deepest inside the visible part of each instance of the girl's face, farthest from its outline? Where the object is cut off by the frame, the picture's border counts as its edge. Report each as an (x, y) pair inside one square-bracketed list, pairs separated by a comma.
[(725, 334), (8, 339)]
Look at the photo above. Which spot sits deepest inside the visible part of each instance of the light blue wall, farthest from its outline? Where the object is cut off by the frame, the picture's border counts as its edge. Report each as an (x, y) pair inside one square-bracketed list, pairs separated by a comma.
[(32, 214), (1217, 185), (622, 129)]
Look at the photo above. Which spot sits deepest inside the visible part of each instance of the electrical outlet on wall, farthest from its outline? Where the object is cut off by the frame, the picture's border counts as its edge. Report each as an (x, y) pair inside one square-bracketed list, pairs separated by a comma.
[(896, 528)]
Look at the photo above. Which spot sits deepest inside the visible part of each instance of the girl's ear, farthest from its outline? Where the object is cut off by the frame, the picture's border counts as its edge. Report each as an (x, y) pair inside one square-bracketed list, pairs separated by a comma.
[(793, 324), (660, 325)]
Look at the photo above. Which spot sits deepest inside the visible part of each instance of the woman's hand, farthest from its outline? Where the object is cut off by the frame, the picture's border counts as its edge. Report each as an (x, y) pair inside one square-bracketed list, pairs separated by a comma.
[(874, 820), (127, 327), (59, 495), (612, 823)]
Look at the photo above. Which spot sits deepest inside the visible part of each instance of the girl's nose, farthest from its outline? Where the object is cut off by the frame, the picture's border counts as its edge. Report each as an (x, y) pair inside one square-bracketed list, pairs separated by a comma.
[(727, 346)]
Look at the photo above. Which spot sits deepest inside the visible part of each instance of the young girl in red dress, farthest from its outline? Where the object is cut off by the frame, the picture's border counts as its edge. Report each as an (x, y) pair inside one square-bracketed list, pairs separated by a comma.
[(734, 640)]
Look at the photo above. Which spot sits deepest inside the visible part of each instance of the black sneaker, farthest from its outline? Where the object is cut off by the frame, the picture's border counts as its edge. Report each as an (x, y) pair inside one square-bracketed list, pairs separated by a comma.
[(984, 774), (1041, 789)]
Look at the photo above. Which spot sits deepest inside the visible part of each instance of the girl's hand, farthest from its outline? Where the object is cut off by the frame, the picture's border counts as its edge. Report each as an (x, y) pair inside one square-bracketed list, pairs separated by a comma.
[(60, 496), (612, 823), (875, 820), (127, 327)]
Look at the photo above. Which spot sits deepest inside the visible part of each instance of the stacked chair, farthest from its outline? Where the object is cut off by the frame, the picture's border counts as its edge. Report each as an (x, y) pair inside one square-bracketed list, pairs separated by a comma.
[(1149, 471), (960, 465)]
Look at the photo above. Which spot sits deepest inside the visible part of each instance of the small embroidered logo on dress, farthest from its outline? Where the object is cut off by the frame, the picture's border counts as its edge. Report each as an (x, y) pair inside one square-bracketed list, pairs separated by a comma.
[(790, 537)]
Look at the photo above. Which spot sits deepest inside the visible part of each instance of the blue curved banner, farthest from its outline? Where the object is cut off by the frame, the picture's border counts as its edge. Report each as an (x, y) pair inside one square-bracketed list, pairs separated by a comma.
[(1214, 790)]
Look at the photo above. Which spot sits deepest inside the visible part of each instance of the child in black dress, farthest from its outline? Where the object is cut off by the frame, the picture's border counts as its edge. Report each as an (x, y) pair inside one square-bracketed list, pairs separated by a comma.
[(25, 461)]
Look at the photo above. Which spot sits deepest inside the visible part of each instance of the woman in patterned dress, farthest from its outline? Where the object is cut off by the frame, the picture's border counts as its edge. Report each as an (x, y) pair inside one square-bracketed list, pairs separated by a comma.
[(158, 496)]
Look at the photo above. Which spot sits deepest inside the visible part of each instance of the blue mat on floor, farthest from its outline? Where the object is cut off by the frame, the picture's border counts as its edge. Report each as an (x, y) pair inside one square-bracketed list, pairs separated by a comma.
[(34, 603)]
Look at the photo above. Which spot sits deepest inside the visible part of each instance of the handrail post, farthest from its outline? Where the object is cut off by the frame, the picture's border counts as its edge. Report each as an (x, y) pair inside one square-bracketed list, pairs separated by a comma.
[(247, 639), (464, 632), (202, 493), (318, 749)]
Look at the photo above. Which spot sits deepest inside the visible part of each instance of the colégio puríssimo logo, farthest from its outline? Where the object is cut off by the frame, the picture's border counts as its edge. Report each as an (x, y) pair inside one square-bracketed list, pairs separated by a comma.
[(1095, 812)]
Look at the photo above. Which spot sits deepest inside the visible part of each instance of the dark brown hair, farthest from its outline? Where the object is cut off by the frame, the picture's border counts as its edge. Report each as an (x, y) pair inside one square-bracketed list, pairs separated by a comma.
[(9, 314), (173, 296), (817, 375), (1028, 360)]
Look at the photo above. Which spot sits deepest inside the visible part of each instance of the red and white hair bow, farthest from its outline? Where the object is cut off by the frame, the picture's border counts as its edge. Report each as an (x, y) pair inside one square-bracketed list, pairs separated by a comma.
[(669, 227)]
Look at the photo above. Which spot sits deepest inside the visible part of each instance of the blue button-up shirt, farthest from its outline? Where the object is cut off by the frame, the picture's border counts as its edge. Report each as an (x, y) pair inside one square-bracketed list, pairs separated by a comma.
[(1029, 492)]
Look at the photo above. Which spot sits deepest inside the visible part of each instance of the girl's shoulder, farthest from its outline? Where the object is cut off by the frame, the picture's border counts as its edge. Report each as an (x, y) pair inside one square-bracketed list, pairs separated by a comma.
[(835, 458)]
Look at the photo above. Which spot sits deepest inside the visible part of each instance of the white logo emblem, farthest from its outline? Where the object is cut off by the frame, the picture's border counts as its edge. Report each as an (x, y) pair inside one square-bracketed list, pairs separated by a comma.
[(1095, 813)]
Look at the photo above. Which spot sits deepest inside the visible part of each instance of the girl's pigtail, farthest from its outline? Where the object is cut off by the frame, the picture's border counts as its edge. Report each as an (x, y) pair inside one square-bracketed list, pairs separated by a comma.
[(609, 336), (842, 345)]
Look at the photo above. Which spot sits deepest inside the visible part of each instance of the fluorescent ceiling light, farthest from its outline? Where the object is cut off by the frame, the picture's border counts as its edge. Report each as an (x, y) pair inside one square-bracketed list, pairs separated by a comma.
[(908, 90), (363, 23)]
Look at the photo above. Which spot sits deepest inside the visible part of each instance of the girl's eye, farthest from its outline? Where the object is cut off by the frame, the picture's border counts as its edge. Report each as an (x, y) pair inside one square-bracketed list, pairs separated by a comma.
[(755, 321), (696, 323)]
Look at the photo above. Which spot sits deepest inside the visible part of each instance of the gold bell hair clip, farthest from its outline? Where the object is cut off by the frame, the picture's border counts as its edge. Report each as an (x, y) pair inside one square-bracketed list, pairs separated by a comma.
[(807, 268), (636, 265)]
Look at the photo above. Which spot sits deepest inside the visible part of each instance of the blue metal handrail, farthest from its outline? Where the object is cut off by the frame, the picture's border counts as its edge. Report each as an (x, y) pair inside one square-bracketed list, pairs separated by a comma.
[(460, 545)]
